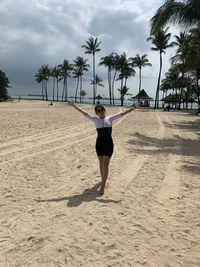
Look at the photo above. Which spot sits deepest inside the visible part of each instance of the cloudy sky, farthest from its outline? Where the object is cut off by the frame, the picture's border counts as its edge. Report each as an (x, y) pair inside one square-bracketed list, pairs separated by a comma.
[(37, 32)]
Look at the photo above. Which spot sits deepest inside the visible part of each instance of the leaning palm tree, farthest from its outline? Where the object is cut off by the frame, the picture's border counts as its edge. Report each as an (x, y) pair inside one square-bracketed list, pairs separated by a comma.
[(140, 61), (161, 42), (91, 47), (185, 13)]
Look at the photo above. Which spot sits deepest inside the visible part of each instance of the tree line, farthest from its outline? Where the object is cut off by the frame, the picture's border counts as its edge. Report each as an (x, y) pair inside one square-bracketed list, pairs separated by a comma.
[(181, 78), (184, 73), (119, 68)]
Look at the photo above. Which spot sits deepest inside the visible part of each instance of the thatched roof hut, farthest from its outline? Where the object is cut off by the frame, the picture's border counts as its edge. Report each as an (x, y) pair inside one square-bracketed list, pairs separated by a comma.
[(142, 95)]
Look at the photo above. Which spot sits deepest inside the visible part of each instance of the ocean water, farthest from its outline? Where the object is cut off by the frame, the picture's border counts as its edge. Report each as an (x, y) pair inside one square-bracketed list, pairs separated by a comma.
[(105, 101)]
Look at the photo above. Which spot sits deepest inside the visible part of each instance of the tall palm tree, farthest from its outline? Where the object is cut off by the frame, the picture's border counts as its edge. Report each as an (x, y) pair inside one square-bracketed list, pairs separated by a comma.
[(107, 61), (80, 65), (140, 61), (116, 68), (92, 47), (161, 42), (65, 70), (97, 81), (185, 13)]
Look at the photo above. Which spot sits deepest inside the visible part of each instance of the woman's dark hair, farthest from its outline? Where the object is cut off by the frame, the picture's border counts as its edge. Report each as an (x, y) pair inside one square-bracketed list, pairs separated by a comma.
[(99, 106)]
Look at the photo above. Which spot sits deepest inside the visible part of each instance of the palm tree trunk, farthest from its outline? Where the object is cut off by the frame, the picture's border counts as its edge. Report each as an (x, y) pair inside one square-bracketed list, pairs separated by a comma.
[(140, 78), (158, 84), (94, 85), (113, 82), (198, 91), (66, 90), (54, 82), (46, 91), (63, 92), (109, 85), (57, 89), (76, 88), (42, 89), (81, 82)]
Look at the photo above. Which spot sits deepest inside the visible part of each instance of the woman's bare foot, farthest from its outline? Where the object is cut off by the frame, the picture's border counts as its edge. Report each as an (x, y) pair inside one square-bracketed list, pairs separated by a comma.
[(101, 191)]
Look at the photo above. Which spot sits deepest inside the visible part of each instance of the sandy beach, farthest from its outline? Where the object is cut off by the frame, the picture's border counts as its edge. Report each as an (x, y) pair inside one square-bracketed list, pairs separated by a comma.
[(50, 210)]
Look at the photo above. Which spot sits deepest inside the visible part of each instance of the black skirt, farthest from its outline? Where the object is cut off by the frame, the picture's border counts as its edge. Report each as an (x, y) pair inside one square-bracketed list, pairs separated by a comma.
[(104, 143)]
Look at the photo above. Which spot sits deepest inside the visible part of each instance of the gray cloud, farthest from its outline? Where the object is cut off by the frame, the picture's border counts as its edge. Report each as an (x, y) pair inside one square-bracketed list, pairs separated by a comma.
[(45, 32)]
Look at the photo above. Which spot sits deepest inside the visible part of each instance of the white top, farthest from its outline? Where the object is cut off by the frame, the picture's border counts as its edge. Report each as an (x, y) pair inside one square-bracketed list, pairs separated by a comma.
[(103, 122)]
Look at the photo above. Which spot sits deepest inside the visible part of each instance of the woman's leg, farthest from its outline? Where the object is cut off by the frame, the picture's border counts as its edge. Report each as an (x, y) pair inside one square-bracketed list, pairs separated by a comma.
[(104, 168), (101, 165)]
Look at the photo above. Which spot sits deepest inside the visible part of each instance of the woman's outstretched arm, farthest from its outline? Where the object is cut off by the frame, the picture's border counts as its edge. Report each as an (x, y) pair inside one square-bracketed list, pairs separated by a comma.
[(128, 110), (77, 108)]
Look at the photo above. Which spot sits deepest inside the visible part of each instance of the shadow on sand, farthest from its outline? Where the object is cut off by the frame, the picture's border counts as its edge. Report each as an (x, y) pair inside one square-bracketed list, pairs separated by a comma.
[(88, 195)]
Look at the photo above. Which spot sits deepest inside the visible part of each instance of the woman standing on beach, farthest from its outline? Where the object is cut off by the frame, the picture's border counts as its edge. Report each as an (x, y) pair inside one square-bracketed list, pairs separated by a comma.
[(104, 142)]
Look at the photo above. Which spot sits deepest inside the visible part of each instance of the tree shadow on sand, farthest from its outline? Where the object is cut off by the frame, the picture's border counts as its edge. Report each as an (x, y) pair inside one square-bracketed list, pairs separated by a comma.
[(177, 145), (88, 195), (191, 167), (191, 126)]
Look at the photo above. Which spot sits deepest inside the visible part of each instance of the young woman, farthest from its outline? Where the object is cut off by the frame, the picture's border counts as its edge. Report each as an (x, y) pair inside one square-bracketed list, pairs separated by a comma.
[(104, 142)]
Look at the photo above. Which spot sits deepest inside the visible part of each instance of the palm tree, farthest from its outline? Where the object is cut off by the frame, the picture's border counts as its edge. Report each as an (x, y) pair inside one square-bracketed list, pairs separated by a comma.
[(43, 76), (97, 81), (4, 84), (140, 61), (91, 47), (65, 70), (193, 61), (123, 91), (80, 65), (116, 68), (185, 13), (108, 61), (39, 79), (161, 42), (56, 74), (76, 74), (82, 94), (125, 69)]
